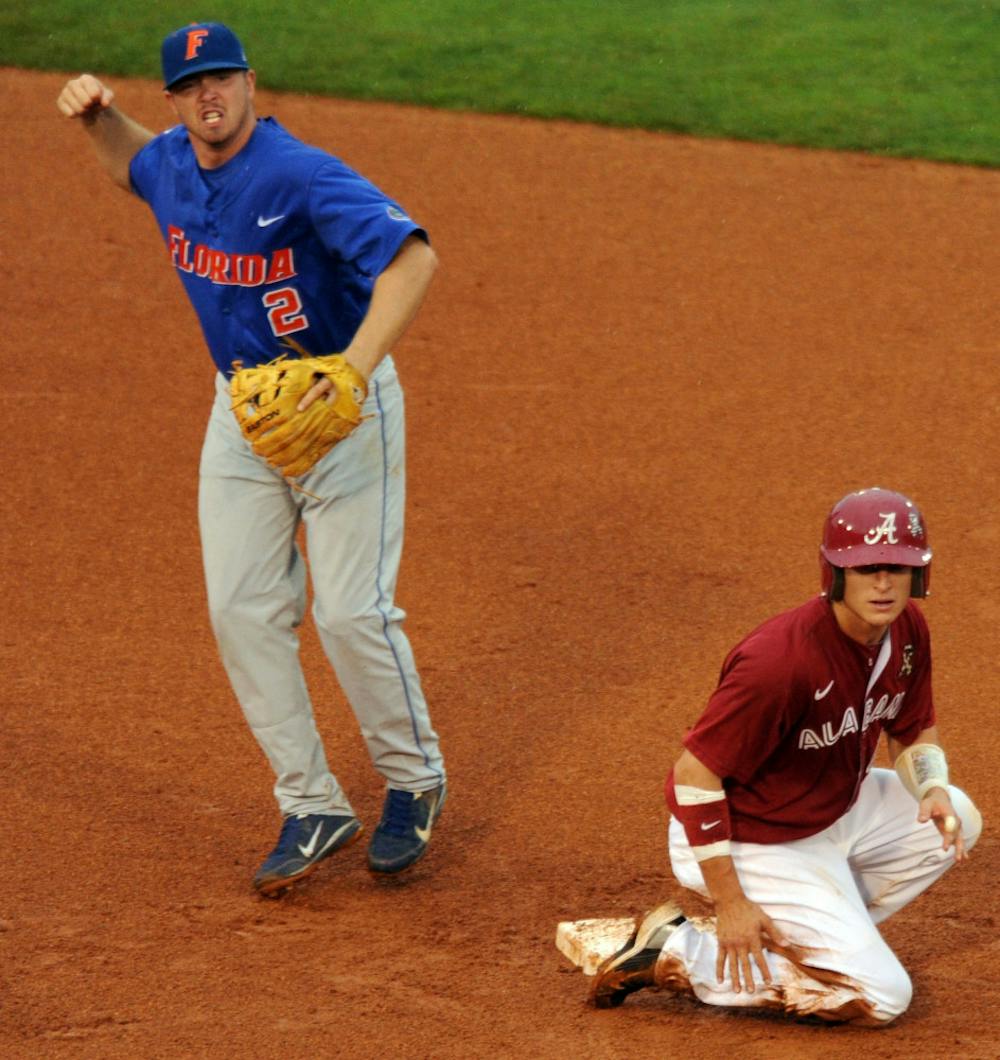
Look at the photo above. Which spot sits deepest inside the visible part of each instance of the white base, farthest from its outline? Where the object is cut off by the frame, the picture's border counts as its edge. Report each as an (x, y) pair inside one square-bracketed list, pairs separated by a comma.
[(588, 942)]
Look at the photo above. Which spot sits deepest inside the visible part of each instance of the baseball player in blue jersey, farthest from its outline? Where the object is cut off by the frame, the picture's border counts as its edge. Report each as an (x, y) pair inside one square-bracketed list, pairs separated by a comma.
[(275, 240)]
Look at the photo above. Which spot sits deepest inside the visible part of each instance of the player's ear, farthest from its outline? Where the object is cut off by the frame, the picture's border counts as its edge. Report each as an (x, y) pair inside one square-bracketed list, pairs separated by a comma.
[(169, 97), (251, 76)]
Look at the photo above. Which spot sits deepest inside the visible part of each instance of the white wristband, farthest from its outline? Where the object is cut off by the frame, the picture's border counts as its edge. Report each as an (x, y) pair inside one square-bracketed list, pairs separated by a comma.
[(922, 766), (689, 796), (713, 850)]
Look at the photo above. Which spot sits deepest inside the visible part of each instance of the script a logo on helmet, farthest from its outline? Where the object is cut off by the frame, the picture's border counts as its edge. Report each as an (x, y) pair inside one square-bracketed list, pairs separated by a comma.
[(886, 529)]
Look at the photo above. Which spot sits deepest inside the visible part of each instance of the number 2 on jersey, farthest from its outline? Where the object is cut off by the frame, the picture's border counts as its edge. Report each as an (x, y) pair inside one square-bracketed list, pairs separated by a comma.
[(284, 311)]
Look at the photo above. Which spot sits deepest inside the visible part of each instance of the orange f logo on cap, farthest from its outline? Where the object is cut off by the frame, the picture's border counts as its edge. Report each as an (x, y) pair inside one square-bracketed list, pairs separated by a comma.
[(195, 39)]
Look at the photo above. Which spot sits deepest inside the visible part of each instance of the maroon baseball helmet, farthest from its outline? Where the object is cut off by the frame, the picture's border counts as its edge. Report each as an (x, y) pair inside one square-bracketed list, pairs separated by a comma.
[(874, 526)]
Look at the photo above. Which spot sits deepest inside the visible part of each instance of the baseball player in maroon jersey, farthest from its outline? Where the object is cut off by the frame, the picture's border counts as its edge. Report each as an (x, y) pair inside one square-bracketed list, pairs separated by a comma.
[(778, 817)]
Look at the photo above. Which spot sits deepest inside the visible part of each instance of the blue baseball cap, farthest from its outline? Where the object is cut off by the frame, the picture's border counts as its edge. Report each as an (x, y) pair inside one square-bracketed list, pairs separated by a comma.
[(198, 47)]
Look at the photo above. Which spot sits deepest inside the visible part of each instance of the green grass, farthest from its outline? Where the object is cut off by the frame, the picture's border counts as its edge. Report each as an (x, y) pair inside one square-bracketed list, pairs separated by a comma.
[(897, 77)]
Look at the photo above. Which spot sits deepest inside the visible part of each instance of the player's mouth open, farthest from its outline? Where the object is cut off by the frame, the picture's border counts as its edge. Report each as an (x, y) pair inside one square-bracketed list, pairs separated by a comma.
[(212, 117)]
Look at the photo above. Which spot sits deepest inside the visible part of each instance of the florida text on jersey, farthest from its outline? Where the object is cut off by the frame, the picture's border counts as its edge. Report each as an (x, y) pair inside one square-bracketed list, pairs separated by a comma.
[(283, 239)]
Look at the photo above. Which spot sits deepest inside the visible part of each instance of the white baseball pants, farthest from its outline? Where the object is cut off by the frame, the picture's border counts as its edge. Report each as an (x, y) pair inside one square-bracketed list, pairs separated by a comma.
[(826, 893), (256, 581)]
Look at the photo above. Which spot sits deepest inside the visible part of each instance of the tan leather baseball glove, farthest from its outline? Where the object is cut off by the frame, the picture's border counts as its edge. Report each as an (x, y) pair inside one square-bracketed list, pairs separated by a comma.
[(266, 398)]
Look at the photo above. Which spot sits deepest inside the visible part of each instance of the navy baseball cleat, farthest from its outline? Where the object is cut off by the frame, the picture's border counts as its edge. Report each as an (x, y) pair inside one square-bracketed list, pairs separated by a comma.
[(633, 967), (305, 840), (401, 837)]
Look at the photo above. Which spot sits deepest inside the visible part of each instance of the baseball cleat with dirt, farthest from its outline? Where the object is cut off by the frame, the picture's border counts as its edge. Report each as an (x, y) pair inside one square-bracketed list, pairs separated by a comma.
[(633, 967)]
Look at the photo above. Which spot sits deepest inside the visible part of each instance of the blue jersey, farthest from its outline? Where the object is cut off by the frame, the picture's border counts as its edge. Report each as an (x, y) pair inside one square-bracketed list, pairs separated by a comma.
[(284, 239)]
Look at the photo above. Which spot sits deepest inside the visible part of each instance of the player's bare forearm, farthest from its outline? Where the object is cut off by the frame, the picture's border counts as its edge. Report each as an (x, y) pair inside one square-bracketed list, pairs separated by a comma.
[(397, 295), (115, 136), (117, 139), (722, 881)]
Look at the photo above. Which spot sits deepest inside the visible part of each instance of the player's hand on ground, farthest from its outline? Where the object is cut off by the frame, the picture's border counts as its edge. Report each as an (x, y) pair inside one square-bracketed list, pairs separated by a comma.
[(743, 929), (936, 806), (84, 97)]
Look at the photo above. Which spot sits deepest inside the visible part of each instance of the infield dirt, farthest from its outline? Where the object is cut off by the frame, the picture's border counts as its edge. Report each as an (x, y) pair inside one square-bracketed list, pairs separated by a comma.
[(646, 369)]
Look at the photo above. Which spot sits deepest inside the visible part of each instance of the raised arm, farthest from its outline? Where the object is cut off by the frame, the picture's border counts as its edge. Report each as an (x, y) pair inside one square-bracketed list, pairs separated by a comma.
[(115, 136)]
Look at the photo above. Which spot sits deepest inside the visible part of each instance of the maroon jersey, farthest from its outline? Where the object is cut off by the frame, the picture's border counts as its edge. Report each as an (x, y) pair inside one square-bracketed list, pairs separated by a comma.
[(794, 723)]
